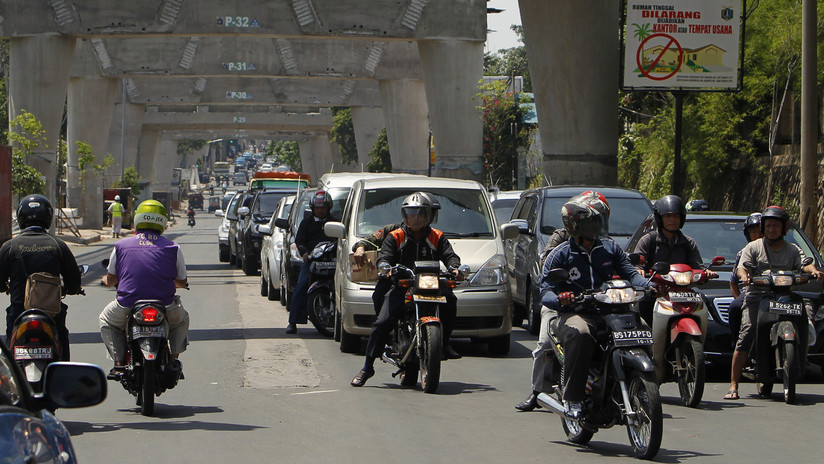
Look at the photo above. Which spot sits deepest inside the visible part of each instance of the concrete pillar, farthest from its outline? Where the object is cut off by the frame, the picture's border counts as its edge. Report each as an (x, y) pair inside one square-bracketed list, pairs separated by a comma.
[(146, 149), (90, 104), (38, 79), (307, 158), (124, 138), (322, 153), (576, 100), (165, 161), (451, 71), (367, 122), (407, 124)]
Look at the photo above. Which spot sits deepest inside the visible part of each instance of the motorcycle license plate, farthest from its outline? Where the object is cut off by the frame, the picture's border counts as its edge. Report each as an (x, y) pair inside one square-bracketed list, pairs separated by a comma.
[(148, 331), (32, 352), (436, 299), (790, 309), (323, 265), (684, 297), (632, 337)]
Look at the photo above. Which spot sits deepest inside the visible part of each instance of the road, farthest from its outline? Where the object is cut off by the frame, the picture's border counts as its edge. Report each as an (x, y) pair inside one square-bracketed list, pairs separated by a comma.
[(254, 394)]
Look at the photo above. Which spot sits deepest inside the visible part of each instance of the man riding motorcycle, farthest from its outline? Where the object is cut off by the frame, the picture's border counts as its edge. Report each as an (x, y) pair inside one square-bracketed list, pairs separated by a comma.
[(145, 266), (770, 253), (35, 250), (415, 241), (590, 262)]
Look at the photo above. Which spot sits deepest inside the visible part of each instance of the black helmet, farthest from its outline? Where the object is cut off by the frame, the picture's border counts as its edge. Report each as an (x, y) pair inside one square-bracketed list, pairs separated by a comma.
[(419, 201), (776, 212), (321, 198), (35, 210), (752, 220), (585, 215), (668, 205), (698, 205)]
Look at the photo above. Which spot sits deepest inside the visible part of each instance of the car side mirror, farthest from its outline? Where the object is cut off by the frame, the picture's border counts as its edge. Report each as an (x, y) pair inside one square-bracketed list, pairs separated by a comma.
[(243, 211), (264, 230), (510, 231), (74, 385), (521, 224), (220, 213), (334, 229), (282, 223)]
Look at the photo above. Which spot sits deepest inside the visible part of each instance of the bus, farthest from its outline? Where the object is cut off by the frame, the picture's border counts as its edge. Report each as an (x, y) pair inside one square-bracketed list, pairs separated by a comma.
[(289, 179), (221, 169)]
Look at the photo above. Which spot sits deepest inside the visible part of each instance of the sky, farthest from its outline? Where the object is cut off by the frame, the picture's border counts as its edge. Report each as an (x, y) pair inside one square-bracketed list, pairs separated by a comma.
[(503, 37)]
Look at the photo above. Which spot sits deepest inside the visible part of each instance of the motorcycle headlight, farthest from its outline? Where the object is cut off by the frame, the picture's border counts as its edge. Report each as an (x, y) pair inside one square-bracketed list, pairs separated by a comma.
[(783, 280), (493, 272), (428, 282), (617, 296), (681, 278)]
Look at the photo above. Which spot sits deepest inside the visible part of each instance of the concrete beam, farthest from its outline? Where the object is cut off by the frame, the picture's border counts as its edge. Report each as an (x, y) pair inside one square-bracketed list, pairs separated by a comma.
[(352, 19), (273, 122)]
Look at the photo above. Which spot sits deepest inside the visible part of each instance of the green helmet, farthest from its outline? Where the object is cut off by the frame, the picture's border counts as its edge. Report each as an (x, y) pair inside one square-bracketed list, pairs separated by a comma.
[(151, 214)]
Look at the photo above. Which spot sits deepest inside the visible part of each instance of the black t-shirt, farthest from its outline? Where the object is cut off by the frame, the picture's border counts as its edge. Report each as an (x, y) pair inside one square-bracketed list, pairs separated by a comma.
[(32, 251)]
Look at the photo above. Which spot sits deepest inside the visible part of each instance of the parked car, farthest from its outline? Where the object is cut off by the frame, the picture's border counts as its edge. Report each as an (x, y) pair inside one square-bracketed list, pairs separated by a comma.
[(259, 212), (29, 432), (503, 203), (538, 214), (236, 224), (721, 234), (223, 248), (271, 251), (466, 218)]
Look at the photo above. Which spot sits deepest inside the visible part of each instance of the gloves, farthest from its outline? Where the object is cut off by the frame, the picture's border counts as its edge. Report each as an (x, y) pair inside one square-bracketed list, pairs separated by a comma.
[(566, 298)]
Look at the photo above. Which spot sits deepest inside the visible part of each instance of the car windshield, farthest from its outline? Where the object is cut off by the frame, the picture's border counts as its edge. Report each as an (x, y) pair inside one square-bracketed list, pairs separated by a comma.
[(268, 202), (503, 208), (463, 212), (338, 199), (624, 214)]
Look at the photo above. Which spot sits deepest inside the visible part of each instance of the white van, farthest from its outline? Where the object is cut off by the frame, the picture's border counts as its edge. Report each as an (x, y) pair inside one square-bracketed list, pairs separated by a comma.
[(467, 219)]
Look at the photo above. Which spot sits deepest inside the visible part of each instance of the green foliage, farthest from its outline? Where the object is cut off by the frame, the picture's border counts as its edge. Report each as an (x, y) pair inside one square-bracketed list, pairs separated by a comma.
[(186, 146), (27, 134), (510, 61), (287, 153), (130, 179), (503, 133), (25, 179), (379, 159), (343, 133)]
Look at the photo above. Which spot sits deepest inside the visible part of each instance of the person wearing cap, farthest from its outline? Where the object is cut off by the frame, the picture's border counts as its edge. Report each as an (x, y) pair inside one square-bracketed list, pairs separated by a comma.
[(116, 216)]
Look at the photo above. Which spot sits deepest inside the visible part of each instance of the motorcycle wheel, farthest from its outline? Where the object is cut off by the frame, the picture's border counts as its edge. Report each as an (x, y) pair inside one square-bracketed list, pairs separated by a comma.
[(647, 430), (321, 313), (789, 373), (575, 432), (145, 397), (431, 355), (691, 379)]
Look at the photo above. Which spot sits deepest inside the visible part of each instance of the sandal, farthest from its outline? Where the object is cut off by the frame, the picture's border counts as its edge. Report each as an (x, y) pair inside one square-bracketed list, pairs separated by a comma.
[(731, 395), (362, 377)]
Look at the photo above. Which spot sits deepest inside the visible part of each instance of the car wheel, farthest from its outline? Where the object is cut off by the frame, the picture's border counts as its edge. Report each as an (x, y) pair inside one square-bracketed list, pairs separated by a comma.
[(249, 265), (533, 313), (349, 343), (499, 346), (273, 294), (223, 253), (264, 286), (232, 258)]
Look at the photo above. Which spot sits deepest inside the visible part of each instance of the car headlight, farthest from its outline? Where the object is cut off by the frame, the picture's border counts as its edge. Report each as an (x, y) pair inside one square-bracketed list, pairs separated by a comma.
[(493, 272), (617, 296), (428, 282), (782, 280)]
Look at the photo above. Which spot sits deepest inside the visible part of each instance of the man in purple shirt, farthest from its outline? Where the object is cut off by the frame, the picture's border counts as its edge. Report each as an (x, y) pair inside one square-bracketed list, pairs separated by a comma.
[(145, 266)]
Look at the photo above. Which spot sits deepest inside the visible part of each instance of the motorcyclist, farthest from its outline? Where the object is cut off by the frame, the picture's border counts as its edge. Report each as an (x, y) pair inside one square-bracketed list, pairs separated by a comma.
[(191, 214), (590, 262), (770, 253), (35, 250), (415, 241), (752, 231), (668, 244), (559, 236), (309, 234), (145, 266)]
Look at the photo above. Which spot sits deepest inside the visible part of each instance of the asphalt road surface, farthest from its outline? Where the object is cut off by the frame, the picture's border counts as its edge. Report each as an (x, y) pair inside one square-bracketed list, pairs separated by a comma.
[(252, 393)]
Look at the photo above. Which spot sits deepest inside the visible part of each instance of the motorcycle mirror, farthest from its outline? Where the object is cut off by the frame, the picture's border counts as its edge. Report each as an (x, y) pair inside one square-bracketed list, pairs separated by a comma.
[(637, 259), (84, 268), (718, 261), (464, 269), (558, 275), (661, 268)]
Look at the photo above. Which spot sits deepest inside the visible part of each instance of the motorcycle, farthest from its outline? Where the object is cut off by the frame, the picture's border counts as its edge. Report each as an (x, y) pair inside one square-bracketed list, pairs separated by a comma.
[(417, 342), (35, 342), (782, 331), (191, 221), (679, 327), (321, 292), (621, 388)]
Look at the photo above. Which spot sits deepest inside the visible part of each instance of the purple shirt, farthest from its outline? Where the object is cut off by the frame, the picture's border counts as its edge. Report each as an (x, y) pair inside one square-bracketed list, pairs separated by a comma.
[(146, 266)]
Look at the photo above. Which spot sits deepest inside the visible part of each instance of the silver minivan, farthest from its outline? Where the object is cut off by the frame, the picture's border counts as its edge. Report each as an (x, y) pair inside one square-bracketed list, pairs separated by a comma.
[(466, 218)]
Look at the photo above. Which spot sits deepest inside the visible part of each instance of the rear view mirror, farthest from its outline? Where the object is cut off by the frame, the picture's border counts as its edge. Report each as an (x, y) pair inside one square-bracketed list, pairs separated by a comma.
[(558, 275), (510, 231), (718, 261), (334, 229), (282, 223), (521, 224), (219, 213), (264, 229), (74, 385), (661, 268), (637, 259)]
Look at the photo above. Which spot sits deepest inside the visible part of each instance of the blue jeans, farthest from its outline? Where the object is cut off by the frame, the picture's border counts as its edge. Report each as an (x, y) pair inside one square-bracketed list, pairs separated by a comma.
[(297, 305)]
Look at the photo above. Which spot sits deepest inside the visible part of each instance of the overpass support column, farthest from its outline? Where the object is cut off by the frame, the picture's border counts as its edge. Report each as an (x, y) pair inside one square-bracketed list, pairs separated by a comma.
[(39, 70), (574, 70), (145, 160), (451, 70), (125, 137), (323, 154), (407, 124), (307, 158), (165, 161), (90, 104), (367, 123)]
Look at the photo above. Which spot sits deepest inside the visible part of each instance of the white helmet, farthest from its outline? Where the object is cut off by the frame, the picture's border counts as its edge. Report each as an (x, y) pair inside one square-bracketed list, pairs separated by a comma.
[(117, 198)]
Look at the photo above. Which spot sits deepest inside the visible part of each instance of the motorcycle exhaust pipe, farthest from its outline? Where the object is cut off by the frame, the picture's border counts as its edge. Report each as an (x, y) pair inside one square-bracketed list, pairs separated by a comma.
[(551, 404)]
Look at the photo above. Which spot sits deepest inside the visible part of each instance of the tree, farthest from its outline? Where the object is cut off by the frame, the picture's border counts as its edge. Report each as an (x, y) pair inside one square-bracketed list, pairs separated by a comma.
[(379, 159), (343, 133), (285, 152), (86, 162), (130, 179), (510, 61), (503, 133), (27, 134)]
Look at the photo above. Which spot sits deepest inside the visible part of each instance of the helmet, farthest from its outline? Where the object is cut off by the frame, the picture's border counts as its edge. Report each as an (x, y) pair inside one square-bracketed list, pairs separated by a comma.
[(418, 201), (151, 214), (668, 205), (776, 212), (601, 205), (117, 198), (35, 210), (585, 216), (321, 198), (752, 220), (698, 205)]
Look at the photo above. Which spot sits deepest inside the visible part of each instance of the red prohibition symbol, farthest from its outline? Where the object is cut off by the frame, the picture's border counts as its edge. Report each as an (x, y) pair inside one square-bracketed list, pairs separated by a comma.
[(670, 40)]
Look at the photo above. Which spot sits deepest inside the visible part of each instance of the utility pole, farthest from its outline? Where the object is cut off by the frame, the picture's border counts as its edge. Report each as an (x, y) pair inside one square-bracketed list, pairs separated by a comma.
[(809, 121)]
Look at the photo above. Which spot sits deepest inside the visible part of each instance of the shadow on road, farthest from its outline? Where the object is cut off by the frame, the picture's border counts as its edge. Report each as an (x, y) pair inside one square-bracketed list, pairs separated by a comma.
[(199, 335), (609, 449)]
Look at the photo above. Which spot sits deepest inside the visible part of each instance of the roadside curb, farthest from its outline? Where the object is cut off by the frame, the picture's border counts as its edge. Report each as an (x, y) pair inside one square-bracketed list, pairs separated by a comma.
[(80, 240)]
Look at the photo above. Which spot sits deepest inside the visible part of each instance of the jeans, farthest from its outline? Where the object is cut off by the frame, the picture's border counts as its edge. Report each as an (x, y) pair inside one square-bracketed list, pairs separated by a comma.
[(297, 305)]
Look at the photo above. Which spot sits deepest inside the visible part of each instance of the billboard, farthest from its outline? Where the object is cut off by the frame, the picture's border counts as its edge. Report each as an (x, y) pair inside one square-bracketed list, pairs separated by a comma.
[(682, 45)]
